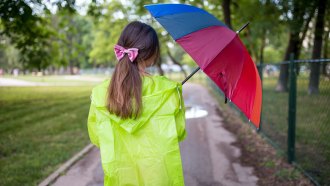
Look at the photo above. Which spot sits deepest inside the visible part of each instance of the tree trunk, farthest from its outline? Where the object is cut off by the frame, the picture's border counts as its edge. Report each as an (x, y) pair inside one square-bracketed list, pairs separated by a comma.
[(303, 35), (298, 25), (71, 47), (305, 29), (261, 57), (325, 52), (176, 62), (314, 78), (262, 46), (251, 49), (71, 67), (226, 12), (282, 84), (324, 68)]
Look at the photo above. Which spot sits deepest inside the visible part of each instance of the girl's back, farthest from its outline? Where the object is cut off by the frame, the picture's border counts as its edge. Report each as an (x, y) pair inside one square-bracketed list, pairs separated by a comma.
[(145, 150)]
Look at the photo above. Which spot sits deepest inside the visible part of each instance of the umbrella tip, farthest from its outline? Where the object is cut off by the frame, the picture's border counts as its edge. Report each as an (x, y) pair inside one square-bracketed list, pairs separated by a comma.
[(246, 24)]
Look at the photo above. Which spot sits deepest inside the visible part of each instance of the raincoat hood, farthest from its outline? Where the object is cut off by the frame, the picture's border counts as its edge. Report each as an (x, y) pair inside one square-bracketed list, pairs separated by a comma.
[(156, 91)]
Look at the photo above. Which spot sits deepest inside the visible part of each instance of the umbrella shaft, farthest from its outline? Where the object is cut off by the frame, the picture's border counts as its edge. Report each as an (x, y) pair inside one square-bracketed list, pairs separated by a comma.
[(194, 72)]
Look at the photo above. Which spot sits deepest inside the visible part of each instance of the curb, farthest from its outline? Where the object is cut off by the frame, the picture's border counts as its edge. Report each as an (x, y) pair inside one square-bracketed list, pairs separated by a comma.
[(52, 178)]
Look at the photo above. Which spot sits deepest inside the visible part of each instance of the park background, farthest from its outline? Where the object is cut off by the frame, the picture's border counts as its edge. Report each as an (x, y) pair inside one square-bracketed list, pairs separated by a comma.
[(67, 46)]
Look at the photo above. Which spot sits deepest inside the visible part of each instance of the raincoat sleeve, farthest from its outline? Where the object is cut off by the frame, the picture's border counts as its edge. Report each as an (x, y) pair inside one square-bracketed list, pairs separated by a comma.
[(180, 118), (91, 125)]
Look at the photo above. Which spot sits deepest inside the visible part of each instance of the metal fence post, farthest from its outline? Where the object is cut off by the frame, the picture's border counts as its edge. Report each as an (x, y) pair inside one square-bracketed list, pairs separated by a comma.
[(260, 68), (292, 110)]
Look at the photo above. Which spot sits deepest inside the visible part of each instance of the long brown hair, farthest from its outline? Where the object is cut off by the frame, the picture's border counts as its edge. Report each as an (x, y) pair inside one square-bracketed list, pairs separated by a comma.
[(125, 89)]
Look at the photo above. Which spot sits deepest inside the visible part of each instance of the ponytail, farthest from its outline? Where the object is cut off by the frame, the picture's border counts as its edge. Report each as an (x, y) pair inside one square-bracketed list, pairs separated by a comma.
[(125, 90)]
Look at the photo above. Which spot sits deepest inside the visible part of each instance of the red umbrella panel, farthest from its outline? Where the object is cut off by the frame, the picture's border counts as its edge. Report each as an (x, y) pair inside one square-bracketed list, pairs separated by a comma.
[(218, 51)]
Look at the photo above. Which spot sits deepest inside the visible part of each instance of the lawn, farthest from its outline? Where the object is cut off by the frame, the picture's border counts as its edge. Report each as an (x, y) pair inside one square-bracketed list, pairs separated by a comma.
[(40, 128)]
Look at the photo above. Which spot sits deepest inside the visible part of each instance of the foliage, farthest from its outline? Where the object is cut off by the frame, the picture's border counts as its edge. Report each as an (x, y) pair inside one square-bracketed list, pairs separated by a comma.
[(27, 31), (9, 55), (107, 30), (74, 32), (25, 23), (186, 59), (273, 54)]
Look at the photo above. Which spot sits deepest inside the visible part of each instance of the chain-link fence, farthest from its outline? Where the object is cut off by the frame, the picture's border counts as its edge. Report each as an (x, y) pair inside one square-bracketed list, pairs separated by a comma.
[(313, 122), (296, 114)]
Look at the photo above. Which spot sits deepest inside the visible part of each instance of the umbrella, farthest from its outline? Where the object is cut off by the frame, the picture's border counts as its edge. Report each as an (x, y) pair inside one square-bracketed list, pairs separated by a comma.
[(217, 50)]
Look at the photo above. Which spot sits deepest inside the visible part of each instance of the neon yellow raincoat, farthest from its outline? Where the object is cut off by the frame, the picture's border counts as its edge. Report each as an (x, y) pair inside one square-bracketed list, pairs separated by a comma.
[(144, 151)]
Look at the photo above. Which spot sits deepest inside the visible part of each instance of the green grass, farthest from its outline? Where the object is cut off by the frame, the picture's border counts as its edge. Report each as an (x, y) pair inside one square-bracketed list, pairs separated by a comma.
[(274, 113), (286, 174), (40, 128)]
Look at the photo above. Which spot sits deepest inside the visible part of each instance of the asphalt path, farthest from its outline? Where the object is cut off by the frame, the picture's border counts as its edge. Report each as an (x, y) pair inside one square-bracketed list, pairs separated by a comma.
[(17, 82)]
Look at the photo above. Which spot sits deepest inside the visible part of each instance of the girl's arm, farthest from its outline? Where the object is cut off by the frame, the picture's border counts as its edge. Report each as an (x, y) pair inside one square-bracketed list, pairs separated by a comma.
[(91, 125), (180, 118)]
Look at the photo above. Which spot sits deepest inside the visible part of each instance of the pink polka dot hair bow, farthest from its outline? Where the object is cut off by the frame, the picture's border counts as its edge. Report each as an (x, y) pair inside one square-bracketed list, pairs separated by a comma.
[(120, 52)]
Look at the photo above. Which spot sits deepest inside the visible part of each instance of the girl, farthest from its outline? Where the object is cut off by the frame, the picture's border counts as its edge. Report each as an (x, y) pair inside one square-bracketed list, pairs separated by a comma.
[(137, 119)]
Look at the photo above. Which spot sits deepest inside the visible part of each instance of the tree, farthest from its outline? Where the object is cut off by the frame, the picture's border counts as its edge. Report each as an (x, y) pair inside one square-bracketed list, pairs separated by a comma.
[(326, 48), (9, 55), (265, 29), (226, 12), (314, 78), (71, 31), (176, 62), (298, 14), (28, 30), (107, 29)]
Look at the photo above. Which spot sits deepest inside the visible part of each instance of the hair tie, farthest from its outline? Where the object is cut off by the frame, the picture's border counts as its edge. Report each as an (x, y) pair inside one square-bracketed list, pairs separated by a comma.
[(120, 52)]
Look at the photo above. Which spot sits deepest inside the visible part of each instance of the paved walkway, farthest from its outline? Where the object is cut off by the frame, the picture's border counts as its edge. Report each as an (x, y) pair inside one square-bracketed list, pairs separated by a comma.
[(17, 82), (83, 78), (208, 156), (66, 81)]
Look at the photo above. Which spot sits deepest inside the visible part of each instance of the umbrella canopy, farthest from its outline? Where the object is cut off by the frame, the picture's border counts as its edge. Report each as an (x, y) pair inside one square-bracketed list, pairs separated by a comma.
[(217, 50)]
